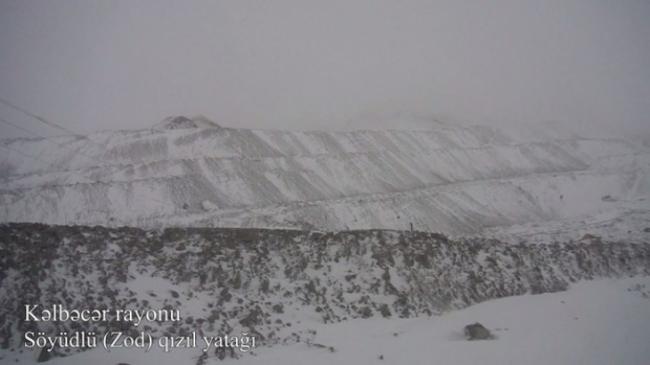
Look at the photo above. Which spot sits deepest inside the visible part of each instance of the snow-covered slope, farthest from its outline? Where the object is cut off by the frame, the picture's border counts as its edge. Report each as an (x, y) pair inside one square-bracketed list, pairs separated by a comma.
[(281, 285), (191, 172), (181, 122), (601, 322), (604, 322)]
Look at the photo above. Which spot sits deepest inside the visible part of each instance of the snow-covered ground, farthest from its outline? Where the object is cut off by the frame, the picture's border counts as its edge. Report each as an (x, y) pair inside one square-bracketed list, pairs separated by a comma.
[(601, 322), (598, 322), (352, 214), (458, 180)]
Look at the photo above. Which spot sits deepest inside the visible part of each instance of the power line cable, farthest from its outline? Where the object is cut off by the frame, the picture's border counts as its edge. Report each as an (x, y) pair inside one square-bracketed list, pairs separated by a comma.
[(2, 120), (55, 125), (24, 154), (49, 162), (39, 118)]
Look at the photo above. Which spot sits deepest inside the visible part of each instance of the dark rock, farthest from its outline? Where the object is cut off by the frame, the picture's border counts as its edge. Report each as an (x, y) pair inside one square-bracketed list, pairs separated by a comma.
[(477, 331), (80, 267), (278, 308), (365, 312), (384, 310), (43, 355), (608, 198)]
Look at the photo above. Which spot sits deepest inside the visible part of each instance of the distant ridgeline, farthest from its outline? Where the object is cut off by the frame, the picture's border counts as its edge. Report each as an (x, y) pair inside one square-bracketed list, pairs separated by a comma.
[(273, 283), (191, 172)]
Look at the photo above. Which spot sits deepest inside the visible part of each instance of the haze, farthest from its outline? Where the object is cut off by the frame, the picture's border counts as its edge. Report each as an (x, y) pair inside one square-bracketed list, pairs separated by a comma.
[(91, 65)]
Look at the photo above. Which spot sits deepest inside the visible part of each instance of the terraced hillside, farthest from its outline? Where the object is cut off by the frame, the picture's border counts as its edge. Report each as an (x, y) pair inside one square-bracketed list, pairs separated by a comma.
[(456, 180)]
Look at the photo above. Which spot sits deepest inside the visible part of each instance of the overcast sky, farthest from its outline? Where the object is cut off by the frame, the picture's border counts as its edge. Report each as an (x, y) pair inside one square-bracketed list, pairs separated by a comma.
[(95, 65)]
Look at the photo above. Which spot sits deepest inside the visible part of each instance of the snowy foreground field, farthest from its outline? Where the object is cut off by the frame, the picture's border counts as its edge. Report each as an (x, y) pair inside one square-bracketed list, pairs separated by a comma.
[(598, 322)]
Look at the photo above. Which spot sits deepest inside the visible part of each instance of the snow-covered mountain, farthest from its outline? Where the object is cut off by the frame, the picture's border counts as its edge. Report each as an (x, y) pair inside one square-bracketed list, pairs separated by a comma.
[(454, 179), (383, 192)]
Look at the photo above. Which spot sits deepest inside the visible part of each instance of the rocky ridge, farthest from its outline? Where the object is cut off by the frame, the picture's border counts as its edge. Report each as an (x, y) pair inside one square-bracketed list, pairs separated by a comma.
[(274, 283)]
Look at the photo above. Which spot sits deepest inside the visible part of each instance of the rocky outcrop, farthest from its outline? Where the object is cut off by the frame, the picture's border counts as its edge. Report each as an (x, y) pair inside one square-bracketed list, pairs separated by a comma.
[(477, 331), (182, 122), (272, 283)]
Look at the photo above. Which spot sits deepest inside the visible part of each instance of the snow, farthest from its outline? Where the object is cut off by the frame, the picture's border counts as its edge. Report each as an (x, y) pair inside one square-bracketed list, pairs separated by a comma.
[(208, 205), (455, 180), (181, 122), (598, 322), (459, 181)]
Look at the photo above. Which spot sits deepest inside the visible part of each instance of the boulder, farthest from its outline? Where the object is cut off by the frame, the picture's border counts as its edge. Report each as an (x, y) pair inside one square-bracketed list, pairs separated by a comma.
[(477, 331)]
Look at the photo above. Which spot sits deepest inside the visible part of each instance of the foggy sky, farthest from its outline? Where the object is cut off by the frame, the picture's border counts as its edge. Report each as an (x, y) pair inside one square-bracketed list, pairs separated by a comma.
[(96, 65)]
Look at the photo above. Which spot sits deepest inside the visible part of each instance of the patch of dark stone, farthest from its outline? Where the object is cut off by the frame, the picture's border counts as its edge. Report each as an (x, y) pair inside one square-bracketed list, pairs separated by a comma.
[(477, 331)]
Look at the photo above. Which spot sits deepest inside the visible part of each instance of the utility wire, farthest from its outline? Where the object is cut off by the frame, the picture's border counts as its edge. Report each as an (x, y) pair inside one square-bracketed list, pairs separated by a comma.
[(39, 118), (24, 154), (49, 162), (51, 124), (2, 120)]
